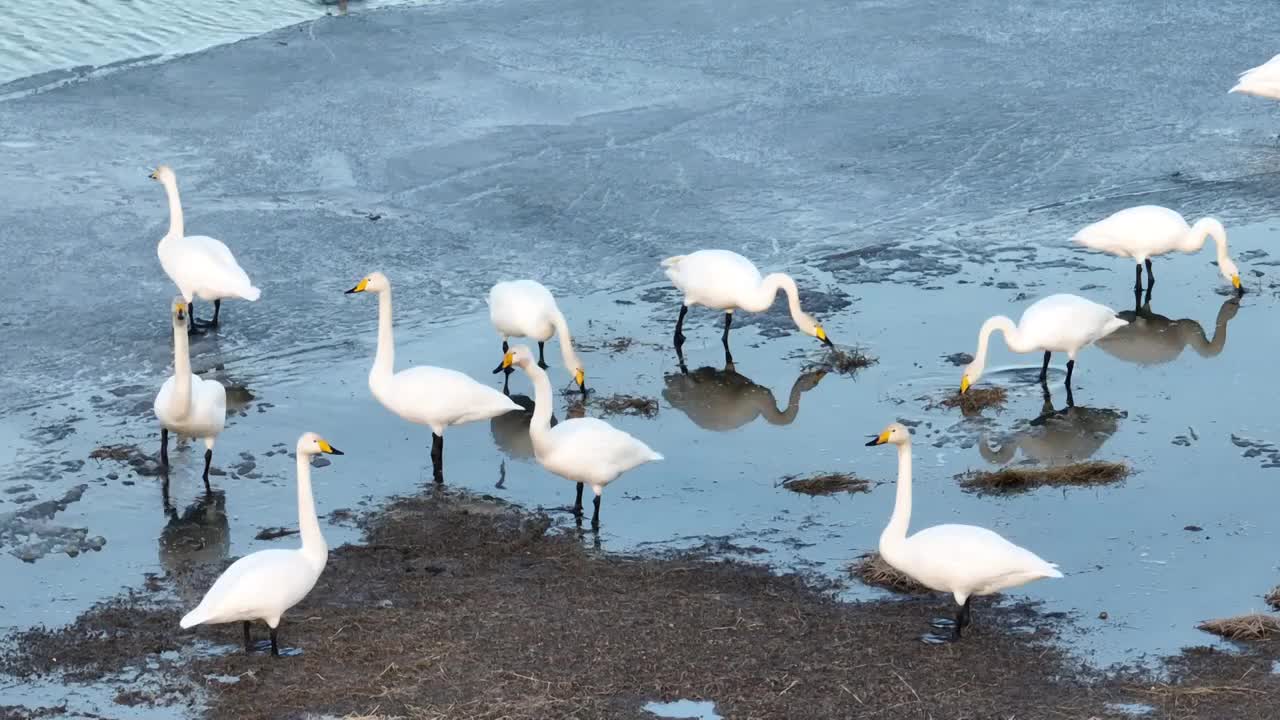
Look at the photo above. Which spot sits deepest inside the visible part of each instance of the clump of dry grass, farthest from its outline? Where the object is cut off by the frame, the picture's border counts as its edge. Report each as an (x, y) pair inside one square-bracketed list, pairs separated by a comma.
[(825, 484), (1273, 597), (873, 570), (1023, 478), (1255, 626), (975, 400), (847, 361), (614, 405)]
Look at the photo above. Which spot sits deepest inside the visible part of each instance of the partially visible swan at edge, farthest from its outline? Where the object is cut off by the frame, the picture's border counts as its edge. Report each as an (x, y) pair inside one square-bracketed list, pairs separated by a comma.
[(964, 560), (724, 280), (432, 396), (263, 585), (587, 451), (526, 308), (1058, 323), (1146, 231), (186, 404), (1261, 81), (200, 266)]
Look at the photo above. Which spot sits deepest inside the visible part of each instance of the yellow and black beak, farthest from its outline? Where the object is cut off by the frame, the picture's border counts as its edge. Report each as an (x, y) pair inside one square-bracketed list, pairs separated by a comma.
[(964, 384), (880, 439), (506, 362), (359, 288), (580, 377), (822, 335), (1235, 283), (180, 311), (325, 447), (153, 175)]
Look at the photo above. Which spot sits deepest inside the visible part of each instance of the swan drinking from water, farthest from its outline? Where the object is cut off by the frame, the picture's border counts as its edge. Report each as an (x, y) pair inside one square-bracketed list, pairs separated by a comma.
[(964, 560), (724, 280), (1146, 231), (432, 396), (585, 450), (200, 266), (186, 404), (263, 585), (526, 308), (1058, 323)]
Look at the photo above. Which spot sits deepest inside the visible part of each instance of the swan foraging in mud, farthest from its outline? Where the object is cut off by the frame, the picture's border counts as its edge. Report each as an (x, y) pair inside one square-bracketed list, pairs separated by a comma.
[(186, 404), (1146, 231), (432, 396), (526, 308), (200, 266), (964, 560), (724, 280), (585, 450), (265, 584), (1058, 323)]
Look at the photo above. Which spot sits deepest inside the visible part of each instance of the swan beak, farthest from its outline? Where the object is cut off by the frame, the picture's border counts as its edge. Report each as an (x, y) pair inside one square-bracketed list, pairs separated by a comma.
[(506, 363), (325, 447), (821, 334), (581, 378), (880, 439), (1235, 282), (153, 175), (180, 310), (964, 384), (359, 288)]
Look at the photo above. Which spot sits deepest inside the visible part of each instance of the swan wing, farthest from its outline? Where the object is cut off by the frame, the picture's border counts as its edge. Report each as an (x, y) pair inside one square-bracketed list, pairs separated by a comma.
[(1137, 232), (971, 560), (715, 278), (522, 308), (199, 264), (260, 585), (1066, 323), (1263, 80), (439, 396), (593, 451)]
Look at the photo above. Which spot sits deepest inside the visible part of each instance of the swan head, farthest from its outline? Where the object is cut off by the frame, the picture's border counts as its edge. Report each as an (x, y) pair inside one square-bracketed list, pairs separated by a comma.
[(522, 357), (312, 444), (972, 373), (164, 173), (809, 326), (895, 433), (1228, 268), (373, 282), (178, 311)]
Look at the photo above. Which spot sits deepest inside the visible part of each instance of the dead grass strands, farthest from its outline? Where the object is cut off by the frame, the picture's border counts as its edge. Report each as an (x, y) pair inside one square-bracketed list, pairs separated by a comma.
[(1019, 479), (825, 484)]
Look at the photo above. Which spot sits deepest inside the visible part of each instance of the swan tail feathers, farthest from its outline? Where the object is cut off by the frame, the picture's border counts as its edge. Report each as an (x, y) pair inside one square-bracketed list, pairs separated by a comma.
[(193, 618), (1052, 571), (252, 294), (672, 261), (1113, 325), (655, 456)]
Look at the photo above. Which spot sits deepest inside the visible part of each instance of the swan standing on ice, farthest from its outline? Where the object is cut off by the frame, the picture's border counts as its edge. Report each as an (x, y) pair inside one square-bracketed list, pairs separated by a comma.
[(526, 308), (1148, 230), (964, 560), (585, 450), (431, 396), (1058, 323), (724, 280), (263, 585), (200, 266), (186, 404)]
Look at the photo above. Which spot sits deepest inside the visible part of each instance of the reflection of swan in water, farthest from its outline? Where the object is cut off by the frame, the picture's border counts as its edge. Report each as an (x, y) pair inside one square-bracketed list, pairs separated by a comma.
[(1056, 437), (198, 536), (1151, 339), (724, 400), (511, 430)]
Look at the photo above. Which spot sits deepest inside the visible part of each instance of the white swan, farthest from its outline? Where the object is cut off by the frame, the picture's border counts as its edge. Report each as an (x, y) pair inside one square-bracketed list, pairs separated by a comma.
[(526, 308), (200, 266), (263, 585), (964, 560), (1146, 231), (724, 280), (426, 395), (1058, 323), (186, 404), (585, 450), (1262, 81)]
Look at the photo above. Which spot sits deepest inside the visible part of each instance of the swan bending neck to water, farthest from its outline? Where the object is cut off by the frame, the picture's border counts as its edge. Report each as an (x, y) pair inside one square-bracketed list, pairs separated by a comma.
[(263, 585), (964, 560), (724, 280), (586, 451), (526, 308)]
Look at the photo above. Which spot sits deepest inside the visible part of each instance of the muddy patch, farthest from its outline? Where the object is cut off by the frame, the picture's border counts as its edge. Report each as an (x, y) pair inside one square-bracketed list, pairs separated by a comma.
[(825, 484), (871, 569), (1023, 478), (141, 463), (972, 402)]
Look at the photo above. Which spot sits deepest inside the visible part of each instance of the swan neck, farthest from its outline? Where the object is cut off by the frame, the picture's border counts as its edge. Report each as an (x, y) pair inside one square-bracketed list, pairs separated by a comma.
[(313, 545), (896, 530), (762, 297), (385, 358), (1203, 229), (567, 353), (1012, 337), (181, 371), (540, 424), (176, 228)]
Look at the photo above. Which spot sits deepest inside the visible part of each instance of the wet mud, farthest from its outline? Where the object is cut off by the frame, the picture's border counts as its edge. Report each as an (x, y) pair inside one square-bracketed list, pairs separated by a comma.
[(826, 484)]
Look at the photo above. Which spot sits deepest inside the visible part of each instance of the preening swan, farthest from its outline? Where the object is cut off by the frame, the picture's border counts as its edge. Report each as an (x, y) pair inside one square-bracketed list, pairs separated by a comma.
[(200, 266), (964, 560), (585, 450), (526, 308), (1262, 81), (426, 395), (1145, 231), (186, 404), (724, 280), (1058, 323), (263, 585)]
